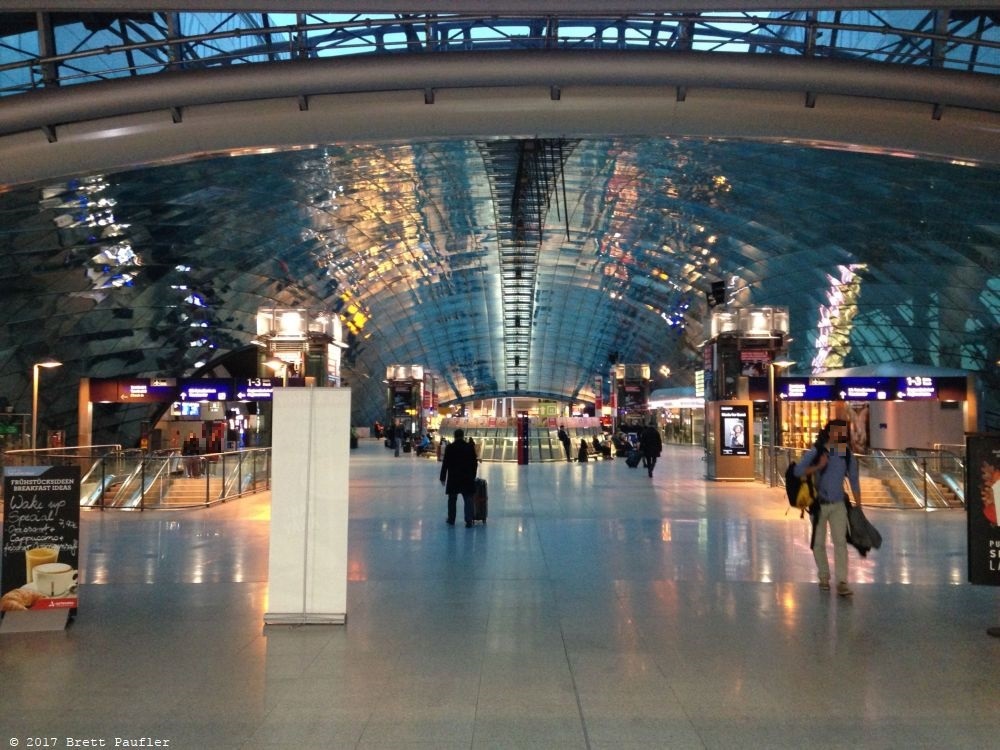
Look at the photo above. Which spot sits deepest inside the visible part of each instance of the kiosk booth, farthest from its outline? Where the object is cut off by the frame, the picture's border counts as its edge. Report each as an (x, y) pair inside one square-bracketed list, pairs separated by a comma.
[(743, 344)]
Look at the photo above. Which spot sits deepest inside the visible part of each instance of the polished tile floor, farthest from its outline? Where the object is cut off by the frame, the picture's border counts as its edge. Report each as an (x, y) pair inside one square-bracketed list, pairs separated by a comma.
[(597, 609)]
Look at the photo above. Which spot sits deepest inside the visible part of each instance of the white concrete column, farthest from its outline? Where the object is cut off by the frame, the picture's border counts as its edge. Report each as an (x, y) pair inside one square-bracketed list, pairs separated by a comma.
[(307, 570)]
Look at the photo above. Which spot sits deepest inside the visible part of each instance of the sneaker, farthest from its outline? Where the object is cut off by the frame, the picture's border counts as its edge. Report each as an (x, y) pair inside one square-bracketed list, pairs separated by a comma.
[(824, 584), (843, 589)]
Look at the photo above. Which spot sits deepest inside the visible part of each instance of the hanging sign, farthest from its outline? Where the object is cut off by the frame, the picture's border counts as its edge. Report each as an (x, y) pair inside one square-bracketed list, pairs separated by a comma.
[(255, 389), (41, 538), (982, 496), (206, 389)]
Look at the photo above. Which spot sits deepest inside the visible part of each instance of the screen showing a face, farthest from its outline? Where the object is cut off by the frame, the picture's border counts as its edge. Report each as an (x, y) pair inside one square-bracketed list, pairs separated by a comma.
[(734, 431)]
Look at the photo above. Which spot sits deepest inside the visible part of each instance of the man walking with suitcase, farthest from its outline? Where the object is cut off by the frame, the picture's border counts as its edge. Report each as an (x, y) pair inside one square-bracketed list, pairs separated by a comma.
[(650, 446), (458, 475)]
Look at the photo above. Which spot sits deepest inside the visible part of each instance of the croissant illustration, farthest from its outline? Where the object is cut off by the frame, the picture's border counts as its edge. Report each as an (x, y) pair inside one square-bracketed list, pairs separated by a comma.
[(19, 599)]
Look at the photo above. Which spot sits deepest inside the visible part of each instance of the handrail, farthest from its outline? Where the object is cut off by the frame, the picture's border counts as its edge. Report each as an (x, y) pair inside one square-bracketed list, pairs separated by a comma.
[(820, 34), (70, 451), (918, 481), (250, 472)]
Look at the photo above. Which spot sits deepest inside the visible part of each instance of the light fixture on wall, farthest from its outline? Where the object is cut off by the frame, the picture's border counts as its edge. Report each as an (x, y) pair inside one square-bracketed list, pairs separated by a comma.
[(49, 363)]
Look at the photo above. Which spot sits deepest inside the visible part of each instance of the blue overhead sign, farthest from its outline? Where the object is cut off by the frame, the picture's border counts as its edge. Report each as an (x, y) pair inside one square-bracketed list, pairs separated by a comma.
[(865, 389), (805, 389), (206, 389), (882, 388), (255, 389)]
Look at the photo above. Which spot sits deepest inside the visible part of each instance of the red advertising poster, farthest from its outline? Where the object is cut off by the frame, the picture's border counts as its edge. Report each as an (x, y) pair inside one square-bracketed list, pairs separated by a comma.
[(41, 538), (982, 497)]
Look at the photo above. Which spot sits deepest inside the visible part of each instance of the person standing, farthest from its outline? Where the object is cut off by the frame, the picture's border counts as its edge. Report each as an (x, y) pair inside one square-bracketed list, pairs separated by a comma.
[(192, 456), (397, 437), (564, 439), (650, 446), (458, 475), (830, 462)]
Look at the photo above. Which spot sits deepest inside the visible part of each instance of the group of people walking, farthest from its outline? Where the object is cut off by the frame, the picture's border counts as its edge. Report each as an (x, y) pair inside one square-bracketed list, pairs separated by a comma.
[(828, 464), (650, 446)]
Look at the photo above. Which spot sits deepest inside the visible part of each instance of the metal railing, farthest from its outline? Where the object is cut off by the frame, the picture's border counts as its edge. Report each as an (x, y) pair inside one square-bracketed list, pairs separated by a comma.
[(910, 479), (501, 445), (117, 479), (169, 42)]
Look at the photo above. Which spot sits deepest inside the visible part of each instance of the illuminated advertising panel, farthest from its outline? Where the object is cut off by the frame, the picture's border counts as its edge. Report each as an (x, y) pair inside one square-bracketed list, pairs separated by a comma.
[(982, 494), (733, 424)]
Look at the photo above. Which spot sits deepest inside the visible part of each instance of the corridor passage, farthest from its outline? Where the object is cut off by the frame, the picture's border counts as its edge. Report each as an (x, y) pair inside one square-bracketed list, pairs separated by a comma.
[(598, 608)]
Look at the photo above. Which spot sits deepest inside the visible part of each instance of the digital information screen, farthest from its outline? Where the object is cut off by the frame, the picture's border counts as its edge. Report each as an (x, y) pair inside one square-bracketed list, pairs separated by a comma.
[(733, 425)]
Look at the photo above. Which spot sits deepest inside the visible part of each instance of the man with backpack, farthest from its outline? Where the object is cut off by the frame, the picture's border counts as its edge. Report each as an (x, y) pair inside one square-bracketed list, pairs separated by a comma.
[(829, 462)]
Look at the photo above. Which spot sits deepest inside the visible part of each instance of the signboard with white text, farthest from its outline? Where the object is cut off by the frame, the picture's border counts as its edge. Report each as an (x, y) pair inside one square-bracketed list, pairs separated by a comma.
[(41, 538)]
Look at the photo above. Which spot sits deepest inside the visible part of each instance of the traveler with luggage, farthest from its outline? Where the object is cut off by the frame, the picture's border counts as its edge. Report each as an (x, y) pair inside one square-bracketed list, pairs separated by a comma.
[(650, 446), (458, 475), (830, 462)]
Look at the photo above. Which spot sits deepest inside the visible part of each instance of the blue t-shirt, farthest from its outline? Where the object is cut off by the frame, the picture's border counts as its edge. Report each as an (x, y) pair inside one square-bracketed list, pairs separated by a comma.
[(830, 482)]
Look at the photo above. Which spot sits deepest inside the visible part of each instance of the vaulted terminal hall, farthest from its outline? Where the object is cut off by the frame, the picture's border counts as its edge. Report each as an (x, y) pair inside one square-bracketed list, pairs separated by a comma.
[(524, 205)]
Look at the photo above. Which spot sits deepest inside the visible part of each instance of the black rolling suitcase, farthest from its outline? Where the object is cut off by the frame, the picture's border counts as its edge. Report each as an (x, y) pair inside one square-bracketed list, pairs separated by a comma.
[(632, 460), (480, 502)]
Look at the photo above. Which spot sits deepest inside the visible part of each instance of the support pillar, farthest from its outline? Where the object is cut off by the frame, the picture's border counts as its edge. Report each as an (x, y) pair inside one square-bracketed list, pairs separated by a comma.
[(307, 571)]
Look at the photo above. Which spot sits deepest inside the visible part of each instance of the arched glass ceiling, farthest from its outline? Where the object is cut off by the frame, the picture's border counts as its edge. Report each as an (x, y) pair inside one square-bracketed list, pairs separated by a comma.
[(89, 46), (153, 271)]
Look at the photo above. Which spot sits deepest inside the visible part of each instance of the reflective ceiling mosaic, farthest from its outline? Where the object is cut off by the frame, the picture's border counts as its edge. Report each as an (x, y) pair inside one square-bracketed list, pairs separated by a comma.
[(501, 266)]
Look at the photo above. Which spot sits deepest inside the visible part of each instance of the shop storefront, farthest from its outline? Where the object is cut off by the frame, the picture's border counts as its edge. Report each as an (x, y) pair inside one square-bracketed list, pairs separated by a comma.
[(679, 415)]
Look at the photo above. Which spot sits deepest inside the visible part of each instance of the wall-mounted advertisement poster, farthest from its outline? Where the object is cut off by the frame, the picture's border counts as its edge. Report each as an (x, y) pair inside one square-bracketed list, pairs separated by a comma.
[(982, 495), (41, 539), (734, 422)]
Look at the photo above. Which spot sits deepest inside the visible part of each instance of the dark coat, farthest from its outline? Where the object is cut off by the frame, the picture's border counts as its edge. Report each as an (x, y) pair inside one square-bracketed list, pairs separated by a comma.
[(459, 467), (650, 443)]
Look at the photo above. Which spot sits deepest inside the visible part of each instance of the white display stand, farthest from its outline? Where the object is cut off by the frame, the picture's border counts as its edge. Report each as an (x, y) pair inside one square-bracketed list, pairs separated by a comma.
[(307, 570)]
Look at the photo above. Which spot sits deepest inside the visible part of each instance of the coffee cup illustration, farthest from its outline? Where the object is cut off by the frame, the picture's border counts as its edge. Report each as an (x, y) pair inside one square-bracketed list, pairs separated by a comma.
[(54, 579), (39, 556)]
